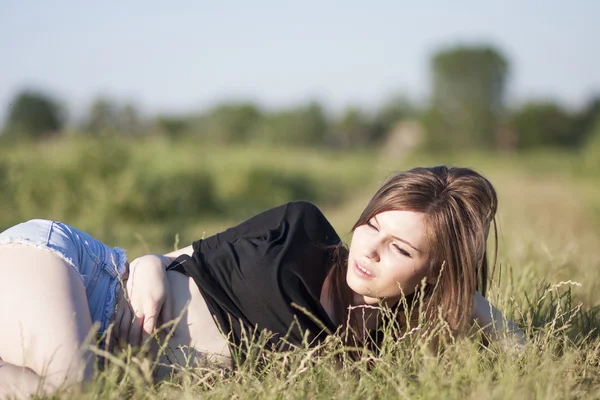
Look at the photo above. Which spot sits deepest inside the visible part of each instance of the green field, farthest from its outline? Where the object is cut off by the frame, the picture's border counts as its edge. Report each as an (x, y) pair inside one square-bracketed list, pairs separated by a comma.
[(153, 195)]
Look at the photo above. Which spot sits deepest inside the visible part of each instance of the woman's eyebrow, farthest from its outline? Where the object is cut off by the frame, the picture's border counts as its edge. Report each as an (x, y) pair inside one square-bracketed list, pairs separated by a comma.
[(400, 239)]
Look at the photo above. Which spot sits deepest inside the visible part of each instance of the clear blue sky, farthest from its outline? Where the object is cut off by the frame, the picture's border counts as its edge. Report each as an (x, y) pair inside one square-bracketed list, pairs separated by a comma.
[(180, 56)]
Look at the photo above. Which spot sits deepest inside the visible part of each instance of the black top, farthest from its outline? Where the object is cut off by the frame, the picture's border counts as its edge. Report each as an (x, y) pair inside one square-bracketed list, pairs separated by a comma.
[(257, 275)]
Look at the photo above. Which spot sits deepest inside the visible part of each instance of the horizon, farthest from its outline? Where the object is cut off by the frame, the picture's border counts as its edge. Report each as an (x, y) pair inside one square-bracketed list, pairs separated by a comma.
[(172, 60)]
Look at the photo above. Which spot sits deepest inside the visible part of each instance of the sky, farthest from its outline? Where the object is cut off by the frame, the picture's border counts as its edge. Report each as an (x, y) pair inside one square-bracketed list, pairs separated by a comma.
[(184, 56)]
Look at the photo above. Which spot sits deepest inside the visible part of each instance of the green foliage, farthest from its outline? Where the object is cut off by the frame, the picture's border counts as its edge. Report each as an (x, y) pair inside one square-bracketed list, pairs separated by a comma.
[(262, 187), (6, 202), (112, 186), (231, 123), (33, 114), (305, 126), (101, 180), (106, 118), (591, 149), (103, 158), (102, 117), (548, 257), (389, 114), (549, 366), (301, 126), (466, 112), (584, 121), (70, 189), (543, 124), (357, 129), (171, 126), (352, 129), (129, 120), (154, 197), (468, 98)]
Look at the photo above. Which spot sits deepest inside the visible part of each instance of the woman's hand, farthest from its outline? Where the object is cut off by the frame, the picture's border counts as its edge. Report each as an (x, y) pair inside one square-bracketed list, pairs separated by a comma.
[(146, 299)]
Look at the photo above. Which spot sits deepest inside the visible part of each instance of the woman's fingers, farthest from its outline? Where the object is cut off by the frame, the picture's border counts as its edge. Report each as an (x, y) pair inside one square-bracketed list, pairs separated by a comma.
[(119, 316), (117, 320), (147, 292), (129, 327), (166, 313), (135, 331), (150, 321), (124, 324)]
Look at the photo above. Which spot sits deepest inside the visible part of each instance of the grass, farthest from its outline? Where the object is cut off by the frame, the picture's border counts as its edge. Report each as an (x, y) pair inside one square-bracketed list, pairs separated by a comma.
[(140, 194), (549, 237)]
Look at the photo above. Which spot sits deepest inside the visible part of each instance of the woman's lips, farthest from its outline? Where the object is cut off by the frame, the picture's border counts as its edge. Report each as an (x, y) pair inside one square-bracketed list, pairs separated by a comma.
[(363, 271)]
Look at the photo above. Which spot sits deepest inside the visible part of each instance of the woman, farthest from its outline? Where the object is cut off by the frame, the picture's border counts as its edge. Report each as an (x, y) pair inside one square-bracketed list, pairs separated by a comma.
[(285, 271)]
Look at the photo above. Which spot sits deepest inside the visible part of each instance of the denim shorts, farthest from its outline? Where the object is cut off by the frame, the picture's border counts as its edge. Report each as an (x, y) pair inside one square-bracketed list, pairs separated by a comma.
[(98, 265)]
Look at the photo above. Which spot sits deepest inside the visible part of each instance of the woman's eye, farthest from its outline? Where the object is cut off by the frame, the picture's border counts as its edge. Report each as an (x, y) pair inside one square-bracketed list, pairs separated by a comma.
[(402, 251), (370, 225)]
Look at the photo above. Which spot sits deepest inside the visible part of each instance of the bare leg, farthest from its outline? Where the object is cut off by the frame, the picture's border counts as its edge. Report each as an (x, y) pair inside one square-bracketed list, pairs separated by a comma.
[(18, 382), (45, 319)]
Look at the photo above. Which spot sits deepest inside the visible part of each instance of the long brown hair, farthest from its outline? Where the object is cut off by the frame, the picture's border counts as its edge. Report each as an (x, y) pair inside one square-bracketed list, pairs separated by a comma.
[(459, 206)]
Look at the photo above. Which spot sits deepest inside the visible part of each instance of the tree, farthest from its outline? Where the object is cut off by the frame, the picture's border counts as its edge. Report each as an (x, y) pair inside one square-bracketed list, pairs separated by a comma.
[(543, 123), (172, 126), (313, 125), (232, 123), (33, 114), (591, 148), (353, 129), (396, 109), (129, 121), (468, 98), (106, 116), (102, 117), (301, 126), (584, 121)]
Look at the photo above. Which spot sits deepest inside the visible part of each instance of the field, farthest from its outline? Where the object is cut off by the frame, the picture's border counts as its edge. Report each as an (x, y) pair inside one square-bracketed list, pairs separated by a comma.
[(155, 195)]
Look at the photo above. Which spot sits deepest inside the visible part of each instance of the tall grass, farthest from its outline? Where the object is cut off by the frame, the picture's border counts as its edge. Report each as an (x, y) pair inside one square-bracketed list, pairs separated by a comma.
[(549, 259), (116, 188)]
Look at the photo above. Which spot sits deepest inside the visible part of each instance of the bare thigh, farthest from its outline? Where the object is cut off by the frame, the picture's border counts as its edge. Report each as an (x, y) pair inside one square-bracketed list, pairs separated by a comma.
[(44, 315), (18, 382)]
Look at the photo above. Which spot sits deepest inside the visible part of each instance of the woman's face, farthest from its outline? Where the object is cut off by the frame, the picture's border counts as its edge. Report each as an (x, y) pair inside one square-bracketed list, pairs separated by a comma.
[(388, 253)]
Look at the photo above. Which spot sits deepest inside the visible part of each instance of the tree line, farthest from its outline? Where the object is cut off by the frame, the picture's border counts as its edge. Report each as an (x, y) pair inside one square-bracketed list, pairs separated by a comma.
[(467, 109)]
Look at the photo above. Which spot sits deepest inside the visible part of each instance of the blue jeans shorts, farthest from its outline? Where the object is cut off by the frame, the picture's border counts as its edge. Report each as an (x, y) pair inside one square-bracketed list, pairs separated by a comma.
[(98, 265)]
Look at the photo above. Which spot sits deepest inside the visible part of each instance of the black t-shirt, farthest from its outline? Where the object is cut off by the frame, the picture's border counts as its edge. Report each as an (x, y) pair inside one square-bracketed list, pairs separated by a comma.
[(267, 273)]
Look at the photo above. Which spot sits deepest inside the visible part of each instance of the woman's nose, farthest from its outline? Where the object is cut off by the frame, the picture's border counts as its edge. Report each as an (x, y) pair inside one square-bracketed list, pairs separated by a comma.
[(372, 250)]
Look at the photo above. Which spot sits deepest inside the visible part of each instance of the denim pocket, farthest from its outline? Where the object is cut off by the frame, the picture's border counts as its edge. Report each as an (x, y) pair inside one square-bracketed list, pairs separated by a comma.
[(35, 232)]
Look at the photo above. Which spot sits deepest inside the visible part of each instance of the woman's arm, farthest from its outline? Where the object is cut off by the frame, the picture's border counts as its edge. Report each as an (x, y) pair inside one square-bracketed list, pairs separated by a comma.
[(492, 321), (147, 296), (147, 288)]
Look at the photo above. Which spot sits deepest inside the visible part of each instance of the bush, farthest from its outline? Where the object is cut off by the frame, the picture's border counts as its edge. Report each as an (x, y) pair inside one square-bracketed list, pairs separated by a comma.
[(175, 195), (33, 114), (543, 124), (591, 150), (38, 190), (103, 158), (263, 187)]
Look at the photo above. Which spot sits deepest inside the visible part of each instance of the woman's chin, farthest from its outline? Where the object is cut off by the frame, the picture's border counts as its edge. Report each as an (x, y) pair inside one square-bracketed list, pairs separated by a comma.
[(360, 293), (355, 284)]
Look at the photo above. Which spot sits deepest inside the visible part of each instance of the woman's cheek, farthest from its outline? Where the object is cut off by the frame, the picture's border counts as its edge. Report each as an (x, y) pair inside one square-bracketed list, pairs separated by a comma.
[(406, 279), (390, 285)]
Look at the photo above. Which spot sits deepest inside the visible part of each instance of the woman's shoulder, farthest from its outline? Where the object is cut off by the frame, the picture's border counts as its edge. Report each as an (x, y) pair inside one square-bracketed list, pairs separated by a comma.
[(303, 207), (294, 221), (313, 221), (309, 213)]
